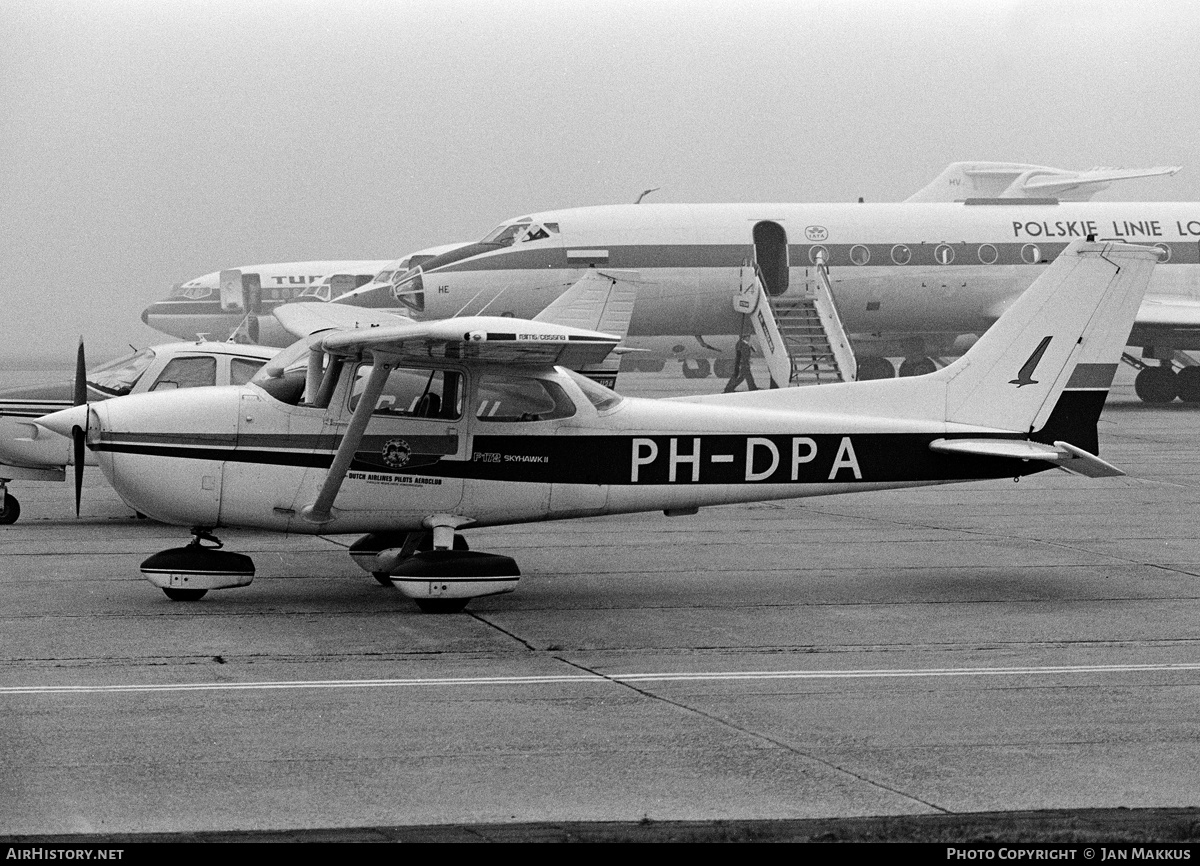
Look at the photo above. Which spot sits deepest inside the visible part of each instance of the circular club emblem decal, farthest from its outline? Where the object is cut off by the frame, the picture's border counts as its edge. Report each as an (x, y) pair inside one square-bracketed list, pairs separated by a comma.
[(816, 233), (396, 453)]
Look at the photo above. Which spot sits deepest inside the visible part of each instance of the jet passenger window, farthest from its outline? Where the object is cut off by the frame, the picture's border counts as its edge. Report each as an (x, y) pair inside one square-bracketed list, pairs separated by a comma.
[(414, 392), (510, 398), (187, 373)]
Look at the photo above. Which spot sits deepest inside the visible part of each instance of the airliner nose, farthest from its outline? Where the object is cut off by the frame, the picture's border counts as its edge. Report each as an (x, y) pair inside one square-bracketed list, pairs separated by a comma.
[(62, 421), (146, 315)]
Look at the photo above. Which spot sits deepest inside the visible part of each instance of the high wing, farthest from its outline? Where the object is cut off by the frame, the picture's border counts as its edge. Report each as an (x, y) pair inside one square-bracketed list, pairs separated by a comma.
[(495, 339)]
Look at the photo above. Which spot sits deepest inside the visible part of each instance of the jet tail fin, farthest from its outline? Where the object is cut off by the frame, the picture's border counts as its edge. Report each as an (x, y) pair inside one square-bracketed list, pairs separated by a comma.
[(1046, 366)]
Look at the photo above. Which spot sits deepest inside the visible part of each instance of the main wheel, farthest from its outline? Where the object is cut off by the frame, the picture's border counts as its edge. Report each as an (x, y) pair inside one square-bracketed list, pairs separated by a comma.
[(10, 510), (723, 368), (441, 605), (700, 371), (917, 366), (1156, 385), (875, 368), (184, 594), (1187, 382)]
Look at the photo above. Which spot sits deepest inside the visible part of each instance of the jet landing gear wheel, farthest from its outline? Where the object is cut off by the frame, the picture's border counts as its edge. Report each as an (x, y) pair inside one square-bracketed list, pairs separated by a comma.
[(1156, 385), (917, 366), (875, 368), (700, 371), (10, 509), (1188, 382)]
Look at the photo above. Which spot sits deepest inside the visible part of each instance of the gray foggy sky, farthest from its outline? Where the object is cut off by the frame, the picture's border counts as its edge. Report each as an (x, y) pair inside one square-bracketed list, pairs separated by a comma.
[(145, 143)]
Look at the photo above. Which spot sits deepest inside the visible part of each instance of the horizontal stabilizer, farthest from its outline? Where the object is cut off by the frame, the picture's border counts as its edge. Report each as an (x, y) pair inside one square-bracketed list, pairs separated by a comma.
[(1061, 454)]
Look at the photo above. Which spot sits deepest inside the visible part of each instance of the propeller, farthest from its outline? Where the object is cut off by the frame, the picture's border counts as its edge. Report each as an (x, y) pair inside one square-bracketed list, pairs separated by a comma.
[(79, 434)]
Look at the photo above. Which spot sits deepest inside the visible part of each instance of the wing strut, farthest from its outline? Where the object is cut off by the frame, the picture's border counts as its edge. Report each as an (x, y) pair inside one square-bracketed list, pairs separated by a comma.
[(319, 511)]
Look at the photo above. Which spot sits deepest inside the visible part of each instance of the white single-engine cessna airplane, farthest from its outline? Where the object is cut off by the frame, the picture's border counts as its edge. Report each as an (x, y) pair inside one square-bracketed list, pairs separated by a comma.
[(29, 452), (908, 279), (415, 431)]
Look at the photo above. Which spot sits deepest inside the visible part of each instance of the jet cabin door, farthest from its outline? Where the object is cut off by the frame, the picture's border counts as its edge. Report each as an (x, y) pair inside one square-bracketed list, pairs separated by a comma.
[(771, 256)]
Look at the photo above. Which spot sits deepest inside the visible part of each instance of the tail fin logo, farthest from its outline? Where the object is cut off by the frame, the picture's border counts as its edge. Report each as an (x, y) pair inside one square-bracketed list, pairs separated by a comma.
[(1025, 376)]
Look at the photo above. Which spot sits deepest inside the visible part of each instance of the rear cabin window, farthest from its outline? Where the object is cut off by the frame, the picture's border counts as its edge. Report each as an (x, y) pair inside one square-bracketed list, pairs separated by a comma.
[(509, 398), (414, 392)]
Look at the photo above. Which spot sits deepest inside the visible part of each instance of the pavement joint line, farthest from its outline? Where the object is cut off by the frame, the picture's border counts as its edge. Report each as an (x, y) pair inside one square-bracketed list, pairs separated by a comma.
[(629, 681), (590, 676)]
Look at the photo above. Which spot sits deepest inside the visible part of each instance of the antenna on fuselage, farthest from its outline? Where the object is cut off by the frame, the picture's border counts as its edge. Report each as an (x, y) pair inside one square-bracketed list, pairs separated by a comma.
[(647, 192)]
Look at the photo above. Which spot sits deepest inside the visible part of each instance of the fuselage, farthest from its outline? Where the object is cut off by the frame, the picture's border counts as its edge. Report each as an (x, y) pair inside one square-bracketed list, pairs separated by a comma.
[(505, 448), (210, 307), (900, 272)]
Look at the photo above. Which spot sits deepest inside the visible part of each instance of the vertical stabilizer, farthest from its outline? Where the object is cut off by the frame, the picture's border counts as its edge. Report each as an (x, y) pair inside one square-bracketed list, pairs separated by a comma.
[(1064, 334)]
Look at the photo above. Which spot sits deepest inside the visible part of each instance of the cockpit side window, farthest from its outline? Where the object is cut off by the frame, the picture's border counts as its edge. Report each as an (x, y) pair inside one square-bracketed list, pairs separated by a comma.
[(383, 276), (120, 376), (503, 236), (535, 233), (511, 398), (414, 392), (196, 372)]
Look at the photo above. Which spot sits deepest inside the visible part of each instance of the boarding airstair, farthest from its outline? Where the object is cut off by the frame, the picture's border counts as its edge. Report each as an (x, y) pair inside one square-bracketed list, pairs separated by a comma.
[(802, 336)]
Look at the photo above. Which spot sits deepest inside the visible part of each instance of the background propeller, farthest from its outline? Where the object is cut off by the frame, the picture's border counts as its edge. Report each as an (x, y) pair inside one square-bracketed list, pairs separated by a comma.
[(79, 434)]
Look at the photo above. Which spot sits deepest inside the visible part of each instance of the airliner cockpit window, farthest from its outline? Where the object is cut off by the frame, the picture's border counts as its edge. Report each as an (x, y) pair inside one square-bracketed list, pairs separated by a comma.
[(503, 236), (383, 276), (319, 290), (535, 233), (118, 377)]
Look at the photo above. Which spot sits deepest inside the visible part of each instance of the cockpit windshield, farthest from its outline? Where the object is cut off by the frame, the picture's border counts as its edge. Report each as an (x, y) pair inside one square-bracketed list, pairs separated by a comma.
[(382, 277), (118, 377), (321, 291), (505, 235)]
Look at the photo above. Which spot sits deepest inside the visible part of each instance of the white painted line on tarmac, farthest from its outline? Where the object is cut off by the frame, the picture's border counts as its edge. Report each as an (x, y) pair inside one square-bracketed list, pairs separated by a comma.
[(552, 679)]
